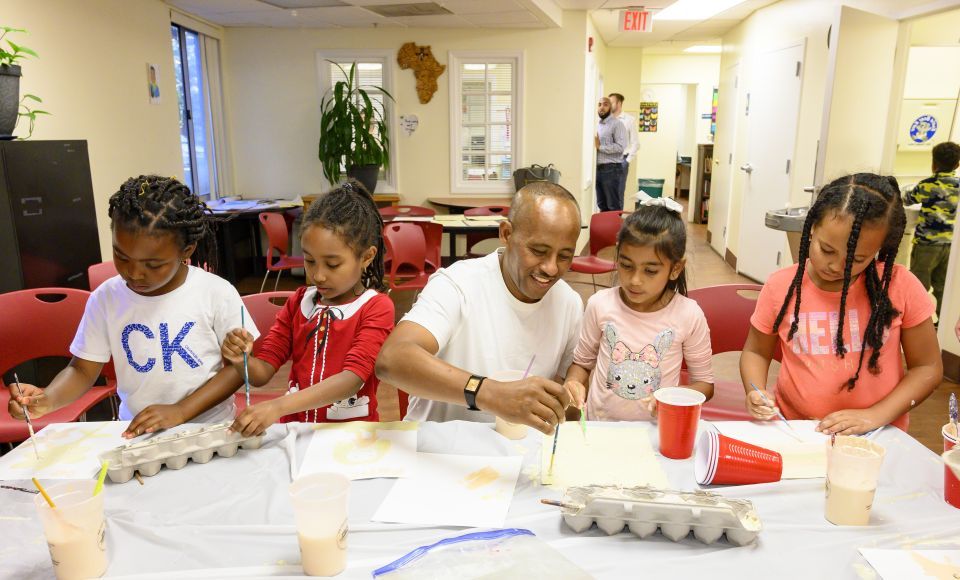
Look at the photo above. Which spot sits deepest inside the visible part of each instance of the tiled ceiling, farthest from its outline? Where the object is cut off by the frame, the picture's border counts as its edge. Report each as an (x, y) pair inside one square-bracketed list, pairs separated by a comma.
[(366, 13)]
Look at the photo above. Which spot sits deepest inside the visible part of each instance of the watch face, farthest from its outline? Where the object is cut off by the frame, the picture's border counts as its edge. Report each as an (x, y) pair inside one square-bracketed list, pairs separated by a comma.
[(472, 384)]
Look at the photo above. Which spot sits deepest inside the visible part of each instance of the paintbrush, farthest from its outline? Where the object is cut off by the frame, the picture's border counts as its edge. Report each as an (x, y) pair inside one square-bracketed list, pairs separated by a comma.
[(246, 372), (553, 454), (793, 432), (954, 413), (26, 415)]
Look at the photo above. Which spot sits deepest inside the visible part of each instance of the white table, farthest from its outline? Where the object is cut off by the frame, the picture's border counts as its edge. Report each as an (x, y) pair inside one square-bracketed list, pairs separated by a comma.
[(232, 518)]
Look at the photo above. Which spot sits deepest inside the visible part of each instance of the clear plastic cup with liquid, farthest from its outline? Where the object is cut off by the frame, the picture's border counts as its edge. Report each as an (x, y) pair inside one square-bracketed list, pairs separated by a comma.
[(853, 470), (506, 428), (320, 505), (74, 529)]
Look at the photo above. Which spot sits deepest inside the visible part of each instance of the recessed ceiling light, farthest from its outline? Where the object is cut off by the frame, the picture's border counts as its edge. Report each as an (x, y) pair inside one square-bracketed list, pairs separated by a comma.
[(704, 49), (695, 9)]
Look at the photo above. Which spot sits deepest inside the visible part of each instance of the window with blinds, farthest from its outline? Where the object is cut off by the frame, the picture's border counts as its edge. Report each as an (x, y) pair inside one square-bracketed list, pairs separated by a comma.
[(484, 117), (373, 76)]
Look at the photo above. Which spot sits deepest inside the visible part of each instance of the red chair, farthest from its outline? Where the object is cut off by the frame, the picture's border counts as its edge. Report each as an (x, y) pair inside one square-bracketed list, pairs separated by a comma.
[(37, 323), (264, 308), (728, 315), (604, 227), (407, 247), (396, 211), (97, 274), (278, 238), (475, 238)]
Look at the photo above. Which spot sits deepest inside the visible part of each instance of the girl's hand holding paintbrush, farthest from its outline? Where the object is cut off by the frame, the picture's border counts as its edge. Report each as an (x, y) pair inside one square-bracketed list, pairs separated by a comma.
[(33, 398), (759, 405)]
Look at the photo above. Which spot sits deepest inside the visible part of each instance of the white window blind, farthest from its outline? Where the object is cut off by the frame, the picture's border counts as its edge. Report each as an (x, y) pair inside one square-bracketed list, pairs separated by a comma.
[(485, 121)]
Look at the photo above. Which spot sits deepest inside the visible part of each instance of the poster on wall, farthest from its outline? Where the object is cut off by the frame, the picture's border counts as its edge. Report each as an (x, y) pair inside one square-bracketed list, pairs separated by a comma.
[(153, 86), (647, 118), (924, 123), (713, 112)]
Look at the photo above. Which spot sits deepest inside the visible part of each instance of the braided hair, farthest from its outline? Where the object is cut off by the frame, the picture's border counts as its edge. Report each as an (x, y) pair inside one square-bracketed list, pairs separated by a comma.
[(868, 199), (663, 229), (349, 211), (152, 203)]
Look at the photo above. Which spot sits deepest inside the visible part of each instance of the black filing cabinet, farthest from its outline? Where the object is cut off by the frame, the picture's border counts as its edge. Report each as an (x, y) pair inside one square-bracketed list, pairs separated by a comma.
[(48, 224)]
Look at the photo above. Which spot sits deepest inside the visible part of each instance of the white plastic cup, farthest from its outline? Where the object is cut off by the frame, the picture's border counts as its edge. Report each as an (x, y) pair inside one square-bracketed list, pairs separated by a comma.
[(320, 511), (506, 428), (853, 470), (74, 529)]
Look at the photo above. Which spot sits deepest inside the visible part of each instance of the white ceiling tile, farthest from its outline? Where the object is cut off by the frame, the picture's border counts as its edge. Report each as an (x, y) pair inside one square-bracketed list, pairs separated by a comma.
[(439, 21), (341, 15), (502, 19), (479, 6), (202, 7)]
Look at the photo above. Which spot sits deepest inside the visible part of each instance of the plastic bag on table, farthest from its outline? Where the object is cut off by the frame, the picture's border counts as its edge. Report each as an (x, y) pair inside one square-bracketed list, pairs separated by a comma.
[(513, 553)]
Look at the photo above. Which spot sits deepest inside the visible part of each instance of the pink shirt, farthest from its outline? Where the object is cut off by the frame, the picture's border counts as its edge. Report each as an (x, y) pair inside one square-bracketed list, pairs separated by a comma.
[(811, 383), (634, 353)]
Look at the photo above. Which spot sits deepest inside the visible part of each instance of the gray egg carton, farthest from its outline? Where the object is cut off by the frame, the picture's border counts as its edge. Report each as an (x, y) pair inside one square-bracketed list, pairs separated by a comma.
[(174, 450), (643, 510)]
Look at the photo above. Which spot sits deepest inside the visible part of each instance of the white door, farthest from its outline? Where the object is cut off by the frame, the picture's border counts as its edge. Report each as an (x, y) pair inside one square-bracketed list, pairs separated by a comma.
[(773, 109), (728, 114)]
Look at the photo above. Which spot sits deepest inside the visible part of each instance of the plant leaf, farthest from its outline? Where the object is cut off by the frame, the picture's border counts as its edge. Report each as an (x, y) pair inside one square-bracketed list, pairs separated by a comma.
[(32, 98)]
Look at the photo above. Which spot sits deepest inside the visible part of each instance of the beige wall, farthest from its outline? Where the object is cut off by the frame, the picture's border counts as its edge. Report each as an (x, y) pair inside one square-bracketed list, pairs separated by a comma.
[(92, 75), (273, 96), (773, 27)]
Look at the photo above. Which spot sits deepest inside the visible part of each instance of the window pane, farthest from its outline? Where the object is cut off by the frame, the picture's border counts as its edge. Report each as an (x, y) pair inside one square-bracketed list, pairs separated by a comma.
[(473, 167), (500, 108), (500, 138), (182, 102), (473, 139), (500, 167), (474, 109), (500, 77), (472, 77), (198, 111)]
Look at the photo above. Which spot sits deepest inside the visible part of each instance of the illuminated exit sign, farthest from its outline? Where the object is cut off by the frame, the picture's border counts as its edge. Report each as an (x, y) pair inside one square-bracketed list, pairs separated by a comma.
[(636, 21)]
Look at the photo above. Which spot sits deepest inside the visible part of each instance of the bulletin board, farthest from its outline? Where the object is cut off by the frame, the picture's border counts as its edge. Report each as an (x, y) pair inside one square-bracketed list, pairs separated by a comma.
[(648, 116)]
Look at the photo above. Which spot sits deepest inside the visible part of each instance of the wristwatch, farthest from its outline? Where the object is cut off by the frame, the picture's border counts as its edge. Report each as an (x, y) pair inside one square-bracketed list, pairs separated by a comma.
[(471, 389)]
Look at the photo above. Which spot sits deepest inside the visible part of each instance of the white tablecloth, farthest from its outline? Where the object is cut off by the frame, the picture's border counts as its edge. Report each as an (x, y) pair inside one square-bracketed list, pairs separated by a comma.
[(232, 518)]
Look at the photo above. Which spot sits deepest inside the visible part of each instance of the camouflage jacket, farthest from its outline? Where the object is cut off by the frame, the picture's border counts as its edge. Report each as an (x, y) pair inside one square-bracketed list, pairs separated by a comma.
[(938, 197)]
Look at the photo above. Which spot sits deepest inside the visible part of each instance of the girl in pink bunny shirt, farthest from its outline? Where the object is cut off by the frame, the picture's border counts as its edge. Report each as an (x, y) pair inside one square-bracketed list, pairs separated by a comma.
[(636, 336)]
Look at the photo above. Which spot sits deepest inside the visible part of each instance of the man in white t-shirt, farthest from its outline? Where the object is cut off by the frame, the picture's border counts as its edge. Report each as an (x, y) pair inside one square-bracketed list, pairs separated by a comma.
[(633, 141), (495, 313)]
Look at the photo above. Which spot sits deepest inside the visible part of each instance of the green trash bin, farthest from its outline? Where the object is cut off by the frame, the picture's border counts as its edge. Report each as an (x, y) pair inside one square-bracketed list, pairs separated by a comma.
[(652, 187)]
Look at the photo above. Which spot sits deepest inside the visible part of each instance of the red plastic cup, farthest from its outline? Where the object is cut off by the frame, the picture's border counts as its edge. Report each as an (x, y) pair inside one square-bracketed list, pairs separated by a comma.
[(678, 413), (951, 485), (722, 460)]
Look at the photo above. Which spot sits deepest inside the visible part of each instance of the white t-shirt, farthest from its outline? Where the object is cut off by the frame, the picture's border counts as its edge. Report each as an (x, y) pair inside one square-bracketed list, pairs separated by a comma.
[(481, 328), (163, 347), (633, 139)]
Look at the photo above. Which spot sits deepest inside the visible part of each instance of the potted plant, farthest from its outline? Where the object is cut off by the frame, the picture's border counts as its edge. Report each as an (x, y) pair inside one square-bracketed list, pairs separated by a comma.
[(12, 107), (353, 133)]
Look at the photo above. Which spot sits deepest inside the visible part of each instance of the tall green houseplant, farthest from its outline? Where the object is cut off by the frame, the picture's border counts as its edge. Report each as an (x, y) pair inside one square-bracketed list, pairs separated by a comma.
[(353, 132), (12, 107)]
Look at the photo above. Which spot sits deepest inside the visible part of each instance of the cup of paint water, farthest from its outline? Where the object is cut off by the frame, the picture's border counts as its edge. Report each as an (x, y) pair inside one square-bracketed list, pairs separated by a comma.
[(678, 414), (74, 529), (506, 428), (320, 510), (722, 460), (951, 480), (853, 470)]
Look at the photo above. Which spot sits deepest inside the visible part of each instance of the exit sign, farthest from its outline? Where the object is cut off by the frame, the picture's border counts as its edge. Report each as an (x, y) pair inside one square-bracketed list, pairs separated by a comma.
[(635, 21)]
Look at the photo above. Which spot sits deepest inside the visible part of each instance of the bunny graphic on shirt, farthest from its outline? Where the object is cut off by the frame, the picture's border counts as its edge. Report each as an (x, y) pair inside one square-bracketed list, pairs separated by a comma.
[(635, 375)]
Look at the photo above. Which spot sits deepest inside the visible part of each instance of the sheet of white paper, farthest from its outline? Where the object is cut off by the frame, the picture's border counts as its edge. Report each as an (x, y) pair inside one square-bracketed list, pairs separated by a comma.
[(453, 490), (803, 449), (362, 450), (913, 564), (597, 458), (67, 451)]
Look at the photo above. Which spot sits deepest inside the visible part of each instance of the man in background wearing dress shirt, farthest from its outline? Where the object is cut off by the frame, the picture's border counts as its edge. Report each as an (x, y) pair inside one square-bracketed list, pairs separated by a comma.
[(633, 144), (610, 142)]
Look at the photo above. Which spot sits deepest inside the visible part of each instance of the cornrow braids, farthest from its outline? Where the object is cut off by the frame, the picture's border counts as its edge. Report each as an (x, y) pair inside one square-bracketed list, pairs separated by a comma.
[(871, 199), (350, 212), (153, 203)]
